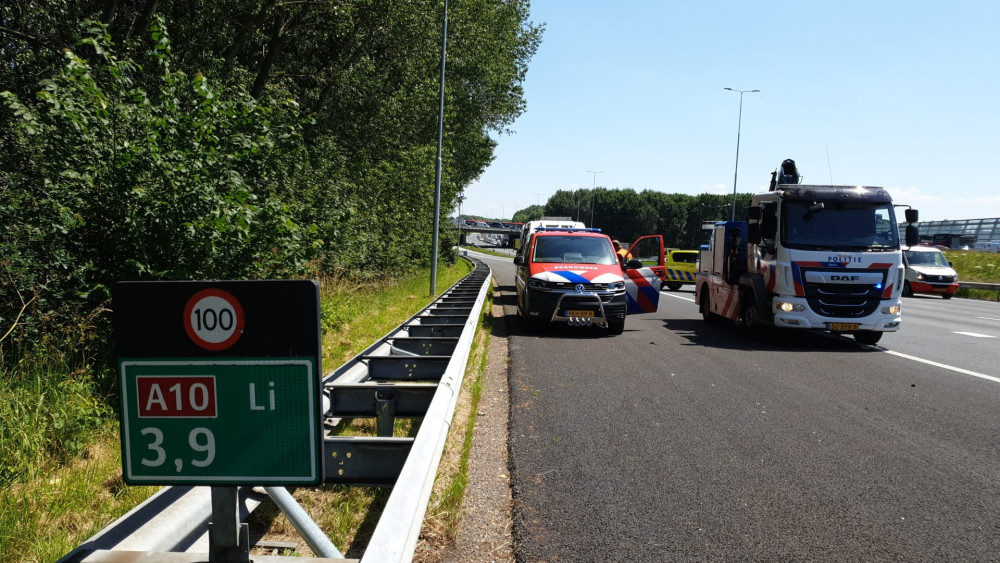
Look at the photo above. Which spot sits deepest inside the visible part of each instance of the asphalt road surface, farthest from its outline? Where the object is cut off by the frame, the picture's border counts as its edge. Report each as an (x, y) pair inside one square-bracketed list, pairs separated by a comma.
[(682, 441)]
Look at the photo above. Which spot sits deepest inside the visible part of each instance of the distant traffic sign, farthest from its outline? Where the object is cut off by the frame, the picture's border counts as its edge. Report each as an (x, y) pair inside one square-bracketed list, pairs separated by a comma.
[(219, 382)]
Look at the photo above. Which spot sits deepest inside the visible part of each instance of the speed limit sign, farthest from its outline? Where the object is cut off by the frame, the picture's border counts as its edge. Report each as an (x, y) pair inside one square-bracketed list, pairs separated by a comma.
[(213, 319)]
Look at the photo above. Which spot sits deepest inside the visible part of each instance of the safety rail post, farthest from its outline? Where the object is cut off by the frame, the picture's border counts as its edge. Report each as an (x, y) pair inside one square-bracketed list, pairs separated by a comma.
[(229, 540)]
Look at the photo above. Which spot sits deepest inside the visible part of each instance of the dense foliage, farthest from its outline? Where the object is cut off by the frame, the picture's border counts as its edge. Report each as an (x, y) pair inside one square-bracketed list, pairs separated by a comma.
[(235, 139)]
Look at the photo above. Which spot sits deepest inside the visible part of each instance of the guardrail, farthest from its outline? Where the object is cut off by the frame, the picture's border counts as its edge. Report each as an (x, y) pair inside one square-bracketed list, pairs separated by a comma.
[(415, 371), (979, 285)]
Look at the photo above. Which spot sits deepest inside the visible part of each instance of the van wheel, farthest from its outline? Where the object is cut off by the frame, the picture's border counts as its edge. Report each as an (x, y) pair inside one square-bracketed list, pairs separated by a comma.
[(946, 296), (616, 327), (529, 323), (869, 337), (673, 286), (907, 290)]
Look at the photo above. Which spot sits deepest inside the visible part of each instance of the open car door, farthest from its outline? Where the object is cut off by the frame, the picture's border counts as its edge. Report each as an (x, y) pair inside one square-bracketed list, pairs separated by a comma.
[(642, 290), (650, 250), (642, 286)]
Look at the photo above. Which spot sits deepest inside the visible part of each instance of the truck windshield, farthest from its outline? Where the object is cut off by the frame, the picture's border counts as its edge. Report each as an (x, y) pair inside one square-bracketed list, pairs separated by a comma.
[(845, 226), (574, 250)]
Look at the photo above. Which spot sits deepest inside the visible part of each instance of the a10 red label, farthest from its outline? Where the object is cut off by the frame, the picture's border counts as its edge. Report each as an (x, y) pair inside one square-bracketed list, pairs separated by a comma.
[(187, 396)]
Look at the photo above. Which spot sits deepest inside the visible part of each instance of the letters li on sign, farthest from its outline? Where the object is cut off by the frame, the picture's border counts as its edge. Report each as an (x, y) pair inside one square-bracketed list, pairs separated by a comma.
[(220, 382)]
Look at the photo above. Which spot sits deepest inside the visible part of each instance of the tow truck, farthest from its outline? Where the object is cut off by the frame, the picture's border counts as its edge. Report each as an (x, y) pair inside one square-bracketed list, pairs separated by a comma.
[(813, 257)]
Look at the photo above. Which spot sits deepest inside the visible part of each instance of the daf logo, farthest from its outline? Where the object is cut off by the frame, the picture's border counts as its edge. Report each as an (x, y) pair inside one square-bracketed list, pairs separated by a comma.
[(836, 277), (579, 288)]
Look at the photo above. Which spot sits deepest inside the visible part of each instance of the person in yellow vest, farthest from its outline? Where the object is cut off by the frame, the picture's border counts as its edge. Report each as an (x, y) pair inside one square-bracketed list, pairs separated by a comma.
[(623, 254)]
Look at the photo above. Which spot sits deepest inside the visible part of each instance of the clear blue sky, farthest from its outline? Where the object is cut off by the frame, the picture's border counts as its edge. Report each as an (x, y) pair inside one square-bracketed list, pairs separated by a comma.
[(903, 94)]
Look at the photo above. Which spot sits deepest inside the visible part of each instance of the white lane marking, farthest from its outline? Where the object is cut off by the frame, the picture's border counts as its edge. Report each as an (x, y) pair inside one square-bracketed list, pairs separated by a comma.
[(973, 334), (676, 296), (944, 366), (987, 318)]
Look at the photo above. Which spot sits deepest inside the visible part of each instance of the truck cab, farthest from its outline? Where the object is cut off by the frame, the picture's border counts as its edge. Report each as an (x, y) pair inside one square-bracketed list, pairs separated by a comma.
[(809, 257)]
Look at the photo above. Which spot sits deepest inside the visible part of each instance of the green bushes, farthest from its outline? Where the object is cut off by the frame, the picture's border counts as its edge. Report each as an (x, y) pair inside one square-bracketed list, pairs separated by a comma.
[(119, 181)]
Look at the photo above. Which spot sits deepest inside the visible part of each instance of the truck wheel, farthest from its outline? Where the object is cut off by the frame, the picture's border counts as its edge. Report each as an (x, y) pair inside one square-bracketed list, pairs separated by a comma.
[(673, 286), (907, 290), (705, 307), (616, 327), (867, 336), (749, 313)]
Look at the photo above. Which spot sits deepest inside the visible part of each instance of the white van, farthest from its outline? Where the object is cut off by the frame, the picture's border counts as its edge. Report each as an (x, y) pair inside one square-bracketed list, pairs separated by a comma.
[(928, 271), (549, 223)]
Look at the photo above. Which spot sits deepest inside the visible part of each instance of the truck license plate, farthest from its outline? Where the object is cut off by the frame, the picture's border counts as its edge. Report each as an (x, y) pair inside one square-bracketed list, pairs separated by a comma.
[(575, 313), (846, 327)]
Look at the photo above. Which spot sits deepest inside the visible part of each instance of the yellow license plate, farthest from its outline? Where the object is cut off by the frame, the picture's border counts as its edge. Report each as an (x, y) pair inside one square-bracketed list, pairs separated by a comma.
[(573, 313), (844, 326)]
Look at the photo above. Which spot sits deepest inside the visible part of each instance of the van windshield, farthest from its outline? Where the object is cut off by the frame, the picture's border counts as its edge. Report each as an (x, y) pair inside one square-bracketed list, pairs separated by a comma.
[(917, 258), (573, 250)]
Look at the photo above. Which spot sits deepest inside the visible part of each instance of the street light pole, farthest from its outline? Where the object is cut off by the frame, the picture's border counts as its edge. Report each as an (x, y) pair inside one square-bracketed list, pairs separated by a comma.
[(437, 172), (593, 191), (739, 125)]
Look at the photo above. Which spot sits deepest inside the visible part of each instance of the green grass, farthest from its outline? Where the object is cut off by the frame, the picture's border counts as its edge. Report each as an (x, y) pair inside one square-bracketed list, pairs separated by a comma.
[(447, 507), (980, 267), (974, 266), (60, 455)]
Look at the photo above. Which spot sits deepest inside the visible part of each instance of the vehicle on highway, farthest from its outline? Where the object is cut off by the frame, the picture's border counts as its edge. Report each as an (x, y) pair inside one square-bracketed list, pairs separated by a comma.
[(572, 276), (987, 246), (929, 272), (812, 257), (680, 268), (546, 222)]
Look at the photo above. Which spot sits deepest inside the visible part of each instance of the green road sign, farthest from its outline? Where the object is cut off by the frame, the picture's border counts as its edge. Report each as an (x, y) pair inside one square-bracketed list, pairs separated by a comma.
[(219, 382), (225, 421)]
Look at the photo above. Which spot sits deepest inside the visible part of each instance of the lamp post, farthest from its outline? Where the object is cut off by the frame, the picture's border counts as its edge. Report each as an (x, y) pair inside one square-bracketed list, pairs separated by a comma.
[(739, 125), (437, 172), (593, 191)]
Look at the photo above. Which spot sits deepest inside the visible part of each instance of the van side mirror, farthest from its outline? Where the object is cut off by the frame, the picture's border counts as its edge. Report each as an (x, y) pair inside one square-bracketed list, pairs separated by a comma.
[(633, 264), (519, 259)]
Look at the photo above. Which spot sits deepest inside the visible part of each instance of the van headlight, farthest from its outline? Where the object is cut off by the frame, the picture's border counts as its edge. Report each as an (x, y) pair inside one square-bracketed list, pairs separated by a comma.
[(539, 284), (920, 277), (616, 285), (789, 307)]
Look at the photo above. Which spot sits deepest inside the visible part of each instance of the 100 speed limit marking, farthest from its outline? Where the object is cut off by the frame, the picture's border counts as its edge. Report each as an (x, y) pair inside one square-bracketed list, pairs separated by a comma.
[(213, 319)]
